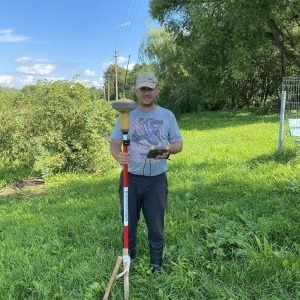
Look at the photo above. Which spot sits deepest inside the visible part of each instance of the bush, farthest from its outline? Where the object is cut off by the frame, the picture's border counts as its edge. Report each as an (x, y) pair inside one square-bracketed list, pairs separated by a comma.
[(54, 127)]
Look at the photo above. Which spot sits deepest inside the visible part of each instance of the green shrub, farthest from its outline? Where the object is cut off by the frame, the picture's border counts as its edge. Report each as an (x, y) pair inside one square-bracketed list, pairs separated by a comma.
[(54, 127)]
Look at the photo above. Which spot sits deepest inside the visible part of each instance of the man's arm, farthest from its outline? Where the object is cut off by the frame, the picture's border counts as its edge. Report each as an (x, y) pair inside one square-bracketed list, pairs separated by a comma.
[(175, 147)]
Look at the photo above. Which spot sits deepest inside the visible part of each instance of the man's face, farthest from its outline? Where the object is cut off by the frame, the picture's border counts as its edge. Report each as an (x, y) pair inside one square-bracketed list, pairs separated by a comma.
[(147, 95)]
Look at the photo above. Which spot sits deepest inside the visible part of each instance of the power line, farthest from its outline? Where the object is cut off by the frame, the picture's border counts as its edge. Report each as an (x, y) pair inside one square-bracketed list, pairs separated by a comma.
[(126, 76), (121, 40), (132, 17), (127, 4), (129, 14)]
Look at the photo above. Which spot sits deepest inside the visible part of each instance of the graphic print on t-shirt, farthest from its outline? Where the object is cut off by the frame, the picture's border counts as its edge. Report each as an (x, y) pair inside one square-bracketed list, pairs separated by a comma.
[(145, 133)]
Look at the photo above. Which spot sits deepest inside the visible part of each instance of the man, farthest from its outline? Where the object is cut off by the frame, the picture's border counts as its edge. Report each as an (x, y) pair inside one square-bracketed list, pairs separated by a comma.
[(150, 125)]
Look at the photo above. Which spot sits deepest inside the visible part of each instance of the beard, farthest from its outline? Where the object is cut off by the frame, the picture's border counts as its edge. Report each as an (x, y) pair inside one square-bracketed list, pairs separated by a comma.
[(149, 104)]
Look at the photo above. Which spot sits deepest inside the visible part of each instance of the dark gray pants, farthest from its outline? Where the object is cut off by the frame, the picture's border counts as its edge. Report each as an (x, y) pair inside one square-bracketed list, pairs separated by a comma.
[(147, 194)]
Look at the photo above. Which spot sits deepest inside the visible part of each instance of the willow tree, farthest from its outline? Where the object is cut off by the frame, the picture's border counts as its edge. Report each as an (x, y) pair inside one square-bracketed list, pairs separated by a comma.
[(167, 58)]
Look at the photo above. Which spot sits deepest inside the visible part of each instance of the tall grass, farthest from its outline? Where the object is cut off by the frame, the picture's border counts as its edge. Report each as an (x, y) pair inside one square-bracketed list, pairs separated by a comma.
[(232, 224)]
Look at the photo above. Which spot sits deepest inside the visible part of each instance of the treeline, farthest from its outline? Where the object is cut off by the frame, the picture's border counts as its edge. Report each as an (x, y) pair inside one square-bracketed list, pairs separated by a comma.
[(53, 127), (220, 54), (226, 53)]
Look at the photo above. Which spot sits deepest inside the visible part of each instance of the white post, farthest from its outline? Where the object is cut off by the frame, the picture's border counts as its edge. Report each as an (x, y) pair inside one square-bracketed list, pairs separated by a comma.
[(281, 128)]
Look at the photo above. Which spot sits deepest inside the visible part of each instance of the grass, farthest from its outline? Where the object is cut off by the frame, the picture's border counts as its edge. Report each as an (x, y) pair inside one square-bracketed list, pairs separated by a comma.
[(232, 224)]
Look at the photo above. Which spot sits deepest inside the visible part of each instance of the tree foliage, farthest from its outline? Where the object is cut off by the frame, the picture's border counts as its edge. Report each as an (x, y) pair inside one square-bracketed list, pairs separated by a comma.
[(110, 82), (225, 53)]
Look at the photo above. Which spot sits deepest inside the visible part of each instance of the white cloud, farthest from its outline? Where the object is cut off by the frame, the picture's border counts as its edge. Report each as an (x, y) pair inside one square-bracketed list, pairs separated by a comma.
[(85, 83), (124, 24), (26, 59), (37, 69), (96, 84), (28, 80), (131, 66), (5, 79), (8, 36), (106, 64), (88, 72), (23, 59), (121, 59)]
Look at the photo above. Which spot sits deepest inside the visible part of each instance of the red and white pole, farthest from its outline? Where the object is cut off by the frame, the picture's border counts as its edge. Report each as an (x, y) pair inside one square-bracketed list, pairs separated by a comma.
[(124, 106), (126, 257)]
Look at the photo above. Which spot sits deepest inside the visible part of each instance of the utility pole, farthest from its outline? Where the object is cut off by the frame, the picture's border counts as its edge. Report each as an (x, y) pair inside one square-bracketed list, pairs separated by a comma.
[(108, 90), (116, 70), (104, 94), (126, 76)]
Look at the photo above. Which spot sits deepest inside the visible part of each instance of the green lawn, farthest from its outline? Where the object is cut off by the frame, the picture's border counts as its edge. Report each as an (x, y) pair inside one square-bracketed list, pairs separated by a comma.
[(232, 225)]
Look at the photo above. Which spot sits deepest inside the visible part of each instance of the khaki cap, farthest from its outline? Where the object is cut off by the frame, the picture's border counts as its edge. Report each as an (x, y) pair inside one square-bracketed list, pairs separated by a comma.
[(146, 79)]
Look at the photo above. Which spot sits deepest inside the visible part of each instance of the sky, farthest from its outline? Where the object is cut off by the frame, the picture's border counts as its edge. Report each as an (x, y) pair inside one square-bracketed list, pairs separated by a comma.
[(62, 39)]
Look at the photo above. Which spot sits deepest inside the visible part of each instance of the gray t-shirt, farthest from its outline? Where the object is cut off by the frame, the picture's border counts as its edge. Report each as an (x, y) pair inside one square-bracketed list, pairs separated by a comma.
[(156, 128)]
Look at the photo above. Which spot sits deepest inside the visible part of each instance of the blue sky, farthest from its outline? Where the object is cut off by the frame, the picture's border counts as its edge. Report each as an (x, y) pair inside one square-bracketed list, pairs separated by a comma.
[(58, 39)]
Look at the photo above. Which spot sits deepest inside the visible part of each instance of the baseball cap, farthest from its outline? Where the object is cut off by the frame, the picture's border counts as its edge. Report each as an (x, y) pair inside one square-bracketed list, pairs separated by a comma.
[(146, 79)]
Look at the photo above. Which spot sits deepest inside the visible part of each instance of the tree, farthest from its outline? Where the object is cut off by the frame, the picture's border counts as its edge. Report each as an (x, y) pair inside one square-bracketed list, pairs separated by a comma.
[(96, 94), (176, 86), (110, 81), (236, 50)]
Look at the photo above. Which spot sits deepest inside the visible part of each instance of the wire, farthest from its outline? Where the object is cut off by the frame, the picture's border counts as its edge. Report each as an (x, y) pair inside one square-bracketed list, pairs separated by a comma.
[(126, 75), (129, 15), (127, 4)]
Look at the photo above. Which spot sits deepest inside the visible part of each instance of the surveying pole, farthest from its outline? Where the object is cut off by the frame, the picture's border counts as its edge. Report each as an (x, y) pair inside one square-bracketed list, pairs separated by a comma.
[(124, 106)]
